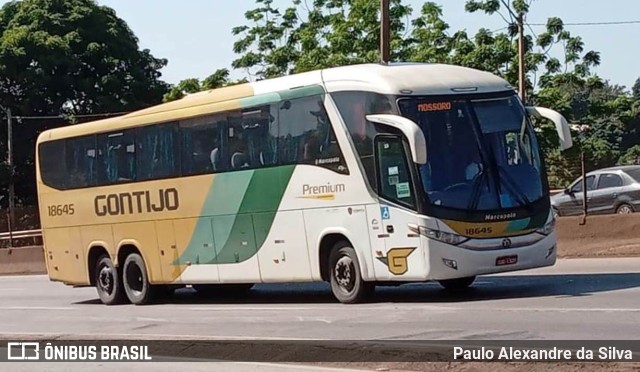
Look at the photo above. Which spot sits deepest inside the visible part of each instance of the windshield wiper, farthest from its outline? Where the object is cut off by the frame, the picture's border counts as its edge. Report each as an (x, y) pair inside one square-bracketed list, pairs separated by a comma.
[(512, 186), (477, 188)]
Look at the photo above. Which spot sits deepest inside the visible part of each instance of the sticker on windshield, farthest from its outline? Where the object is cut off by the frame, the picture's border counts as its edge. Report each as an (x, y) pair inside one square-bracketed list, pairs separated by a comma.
[(435, 106), (393, 171), (393, 180), (402, 190)]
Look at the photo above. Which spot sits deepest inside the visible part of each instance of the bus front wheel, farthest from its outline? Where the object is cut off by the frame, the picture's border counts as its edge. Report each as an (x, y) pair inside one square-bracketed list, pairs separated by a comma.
[(136, 284), (347, 284), (458, 284), (109, 282)]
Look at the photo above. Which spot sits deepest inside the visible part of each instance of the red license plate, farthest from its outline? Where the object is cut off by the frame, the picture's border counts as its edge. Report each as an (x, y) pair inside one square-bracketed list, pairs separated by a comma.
[(507, 260)]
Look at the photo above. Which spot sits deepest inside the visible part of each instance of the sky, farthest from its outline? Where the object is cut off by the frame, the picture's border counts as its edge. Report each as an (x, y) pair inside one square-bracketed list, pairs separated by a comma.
[(195, 35)]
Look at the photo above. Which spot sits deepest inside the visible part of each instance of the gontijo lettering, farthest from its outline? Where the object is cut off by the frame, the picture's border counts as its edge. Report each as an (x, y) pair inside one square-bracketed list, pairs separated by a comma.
[(136, 202)]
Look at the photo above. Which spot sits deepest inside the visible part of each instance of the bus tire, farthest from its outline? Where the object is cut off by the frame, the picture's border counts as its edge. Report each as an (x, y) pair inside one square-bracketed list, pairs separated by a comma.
[(109, 282), (347, 284), (136, 284), (458, 284)]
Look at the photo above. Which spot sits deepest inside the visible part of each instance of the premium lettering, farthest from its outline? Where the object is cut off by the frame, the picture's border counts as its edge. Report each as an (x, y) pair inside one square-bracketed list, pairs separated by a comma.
[(323, 189), (136, 202)]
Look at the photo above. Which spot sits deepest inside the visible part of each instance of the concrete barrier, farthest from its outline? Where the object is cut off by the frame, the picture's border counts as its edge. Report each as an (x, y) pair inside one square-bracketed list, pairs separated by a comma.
[(601, 236), (26, 260)]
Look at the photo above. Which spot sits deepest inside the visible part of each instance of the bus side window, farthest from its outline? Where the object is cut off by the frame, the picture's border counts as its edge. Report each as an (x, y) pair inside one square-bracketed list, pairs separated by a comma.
[(394, 176), (202, 145), (80, 160), (116, 157), (52, 170), (306, 135), (157, 151)]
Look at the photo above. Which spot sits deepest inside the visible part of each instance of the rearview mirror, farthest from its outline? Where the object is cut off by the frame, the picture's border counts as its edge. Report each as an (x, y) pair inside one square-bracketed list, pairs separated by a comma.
[(411, 130), (562, 126)]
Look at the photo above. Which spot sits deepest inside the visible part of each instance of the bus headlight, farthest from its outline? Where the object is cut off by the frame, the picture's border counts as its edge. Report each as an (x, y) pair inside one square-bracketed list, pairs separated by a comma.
[(548, 228), (449, 238)]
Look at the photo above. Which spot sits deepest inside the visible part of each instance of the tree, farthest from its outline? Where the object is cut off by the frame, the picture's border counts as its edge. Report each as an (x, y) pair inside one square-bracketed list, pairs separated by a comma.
[(219, 79), (537, 51), (68, 57), (636, 90), (330, 33)]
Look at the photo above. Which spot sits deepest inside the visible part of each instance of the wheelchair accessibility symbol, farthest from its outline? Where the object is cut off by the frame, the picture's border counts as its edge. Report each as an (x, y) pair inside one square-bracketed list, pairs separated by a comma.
[(384, 210)]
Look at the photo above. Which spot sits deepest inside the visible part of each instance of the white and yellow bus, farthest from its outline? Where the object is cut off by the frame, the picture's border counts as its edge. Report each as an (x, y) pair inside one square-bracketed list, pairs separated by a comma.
[(358, 175)]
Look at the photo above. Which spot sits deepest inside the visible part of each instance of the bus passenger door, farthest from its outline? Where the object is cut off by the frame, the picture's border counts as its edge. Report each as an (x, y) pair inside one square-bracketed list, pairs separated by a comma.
[(402, 257)]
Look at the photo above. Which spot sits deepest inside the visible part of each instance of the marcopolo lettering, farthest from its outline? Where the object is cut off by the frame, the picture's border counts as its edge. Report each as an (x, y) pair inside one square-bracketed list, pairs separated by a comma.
[(136, 202)]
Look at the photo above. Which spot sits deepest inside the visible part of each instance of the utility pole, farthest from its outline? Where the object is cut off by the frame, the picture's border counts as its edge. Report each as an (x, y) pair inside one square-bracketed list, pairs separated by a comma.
[(522, 79), (385, 32), (584, 190), (12, 215)]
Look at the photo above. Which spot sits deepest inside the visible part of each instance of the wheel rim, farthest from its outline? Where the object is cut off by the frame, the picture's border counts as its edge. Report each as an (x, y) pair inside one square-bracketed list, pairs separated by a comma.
[(345, 274), (135, 280), (624, 209), (106, 280)]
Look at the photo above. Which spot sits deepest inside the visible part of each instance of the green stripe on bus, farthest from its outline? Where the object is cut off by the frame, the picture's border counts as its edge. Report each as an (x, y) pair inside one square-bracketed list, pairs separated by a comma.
[(311, 90), (237, 216)]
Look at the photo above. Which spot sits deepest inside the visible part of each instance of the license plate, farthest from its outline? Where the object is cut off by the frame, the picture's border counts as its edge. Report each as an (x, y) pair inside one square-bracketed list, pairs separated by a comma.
[(507, 260)]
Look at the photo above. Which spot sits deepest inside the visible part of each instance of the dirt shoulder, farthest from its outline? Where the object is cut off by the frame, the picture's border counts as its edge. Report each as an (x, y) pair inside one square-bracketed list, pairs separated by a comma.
[(601, 236)]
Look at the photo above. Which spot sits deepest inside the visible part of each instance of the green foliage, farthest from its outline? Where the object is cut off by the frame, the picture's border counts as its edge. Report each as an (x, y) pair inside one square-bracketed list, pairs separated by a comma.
[(68, 57), (219, 79)]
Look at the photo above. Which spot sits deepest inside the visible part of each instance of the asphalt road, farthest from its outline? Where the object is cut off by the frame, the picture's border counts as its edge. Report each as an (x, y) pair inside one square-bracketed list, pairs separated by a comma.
[(577, 299)]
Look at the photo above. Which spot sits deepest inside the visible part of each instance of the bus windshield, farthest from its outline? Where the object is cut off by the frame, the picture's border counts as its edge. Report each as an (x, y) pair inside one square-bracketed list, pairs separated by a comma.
[(482, 153)]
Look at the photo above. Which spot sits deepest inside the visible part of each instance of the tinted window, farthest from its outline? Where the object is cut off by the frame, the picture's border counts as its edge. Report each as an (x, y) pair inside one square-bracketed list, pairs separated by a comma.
[(306, 136), (609, 180), (258, 129), (52, 170), (202, 145), (395, 178), (295, 131), (116, 157), (353, 107), (590, 184), (80, 154), (157, 154)]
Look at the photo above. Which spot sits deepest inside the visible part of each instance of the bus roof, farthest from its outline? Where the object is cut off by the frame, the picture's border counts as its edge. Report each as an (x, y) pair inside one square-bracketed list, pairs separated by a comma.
[(397, 78)]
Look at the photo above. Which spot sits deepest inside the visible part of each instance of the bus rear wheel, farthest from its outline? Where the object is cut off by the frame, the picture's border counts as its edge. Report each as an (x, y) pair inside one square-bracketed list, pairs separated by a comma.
[(347, 284), (458, 284), (109, 282), (136, 284)]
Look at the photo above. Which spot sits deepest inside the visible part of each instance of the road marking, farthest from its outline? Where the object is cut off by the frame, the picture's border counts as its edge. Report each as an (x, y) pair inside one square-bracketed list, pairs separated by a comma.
[(567, 310), (245, 308), (151, 337), (152, 320), (37, 308)]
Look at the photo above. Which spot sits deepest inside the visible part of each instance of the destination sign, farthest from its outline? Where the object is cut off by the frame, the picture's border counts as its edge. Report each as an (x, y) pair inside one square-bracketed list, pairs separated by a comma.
[(434, 106)]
